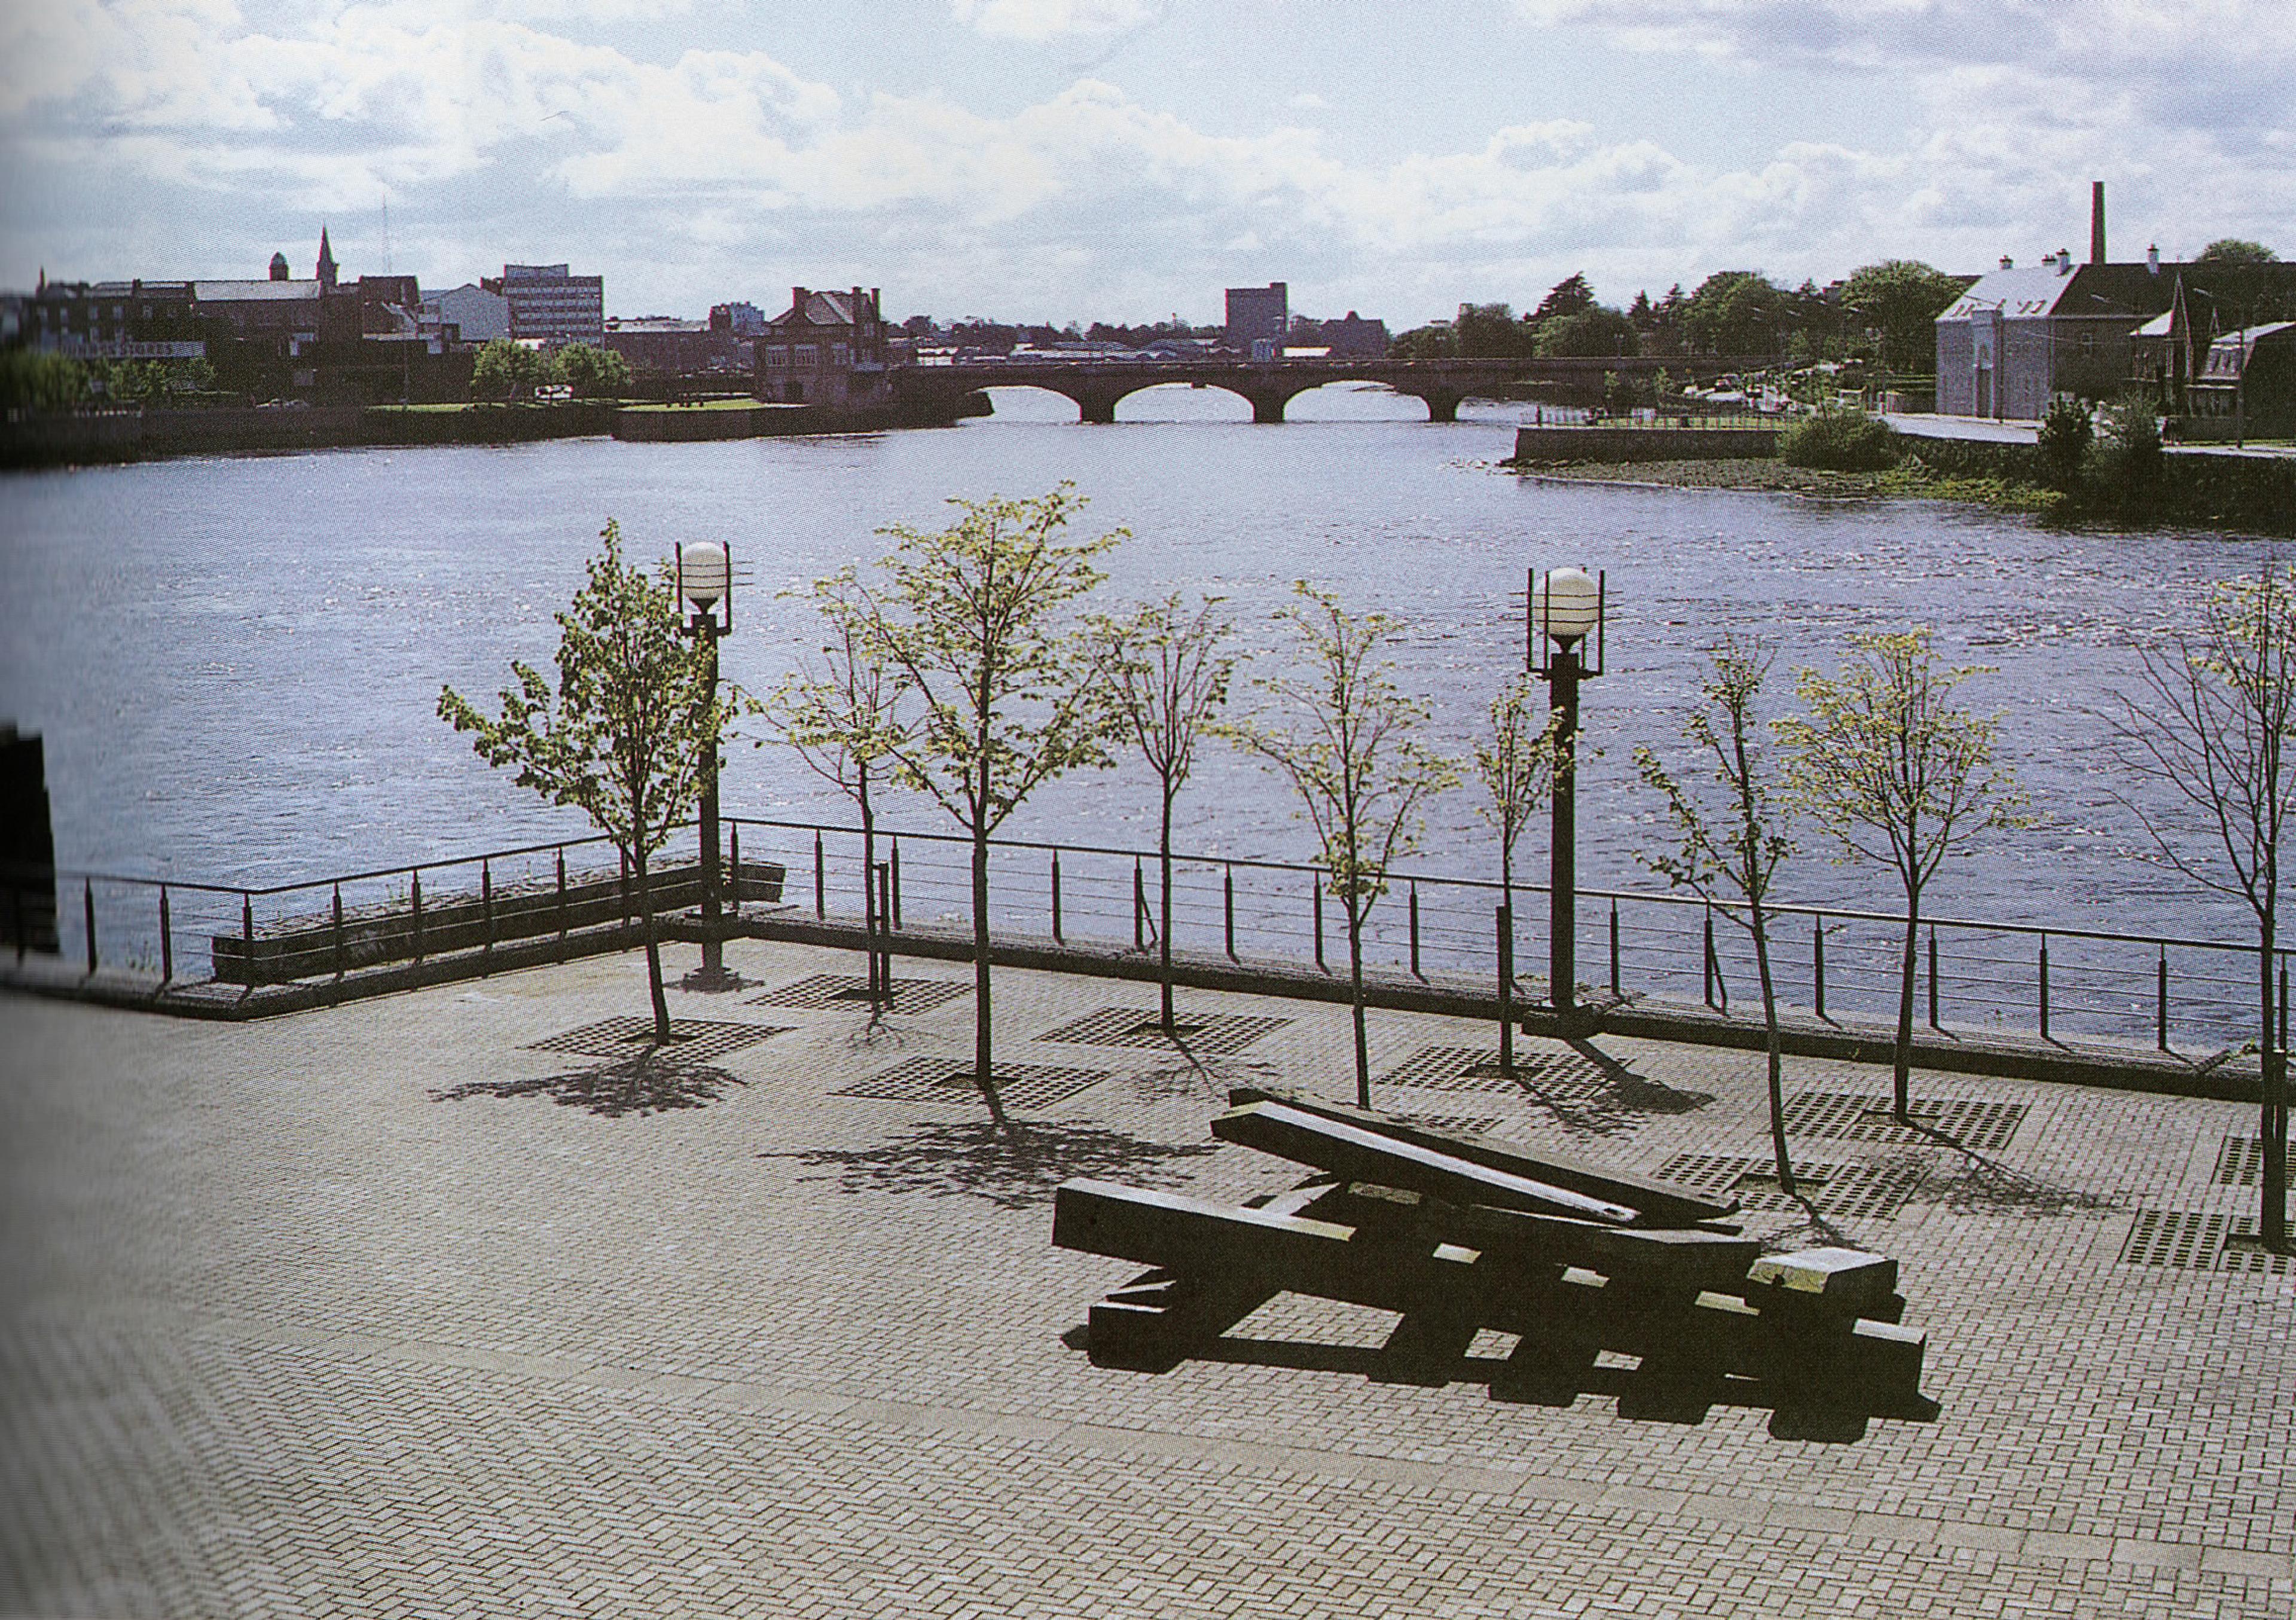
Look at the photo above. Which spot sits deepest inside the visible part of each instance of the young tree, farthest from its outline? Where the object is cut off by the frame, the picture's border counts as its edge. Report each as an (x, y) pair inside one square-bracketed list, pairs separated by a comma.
[(2211, 721), (1897, 774), (504, 370), (1731, 838), (625, 737), (841, 714), (1901, 299), (972, 619), (1514, 761), (1168, 671), (593, 373), (1342, 734)]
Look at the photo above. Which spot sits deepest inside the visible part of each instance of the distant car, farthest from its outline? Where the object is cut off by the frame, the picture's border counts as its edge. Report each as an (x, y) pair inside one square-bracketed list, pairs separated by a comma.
[(555, 391)]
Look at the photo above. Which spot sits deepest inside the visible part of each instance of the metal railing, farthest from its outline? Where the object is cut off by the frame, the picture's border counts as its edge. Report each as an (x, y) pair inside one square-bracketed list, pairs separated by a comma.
[(1827, 961)]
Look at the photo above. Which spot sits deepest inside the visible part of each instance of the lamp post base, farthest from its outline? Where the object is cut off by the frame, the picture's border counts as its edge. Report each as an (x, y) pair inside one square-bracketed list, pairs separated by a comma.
[(711, 978)]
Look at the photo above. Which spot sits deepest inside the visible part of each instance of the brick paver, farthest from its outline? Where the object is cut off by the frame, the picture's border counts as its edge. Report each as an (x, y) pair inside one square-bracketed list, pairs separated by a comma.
[(372, 1311)]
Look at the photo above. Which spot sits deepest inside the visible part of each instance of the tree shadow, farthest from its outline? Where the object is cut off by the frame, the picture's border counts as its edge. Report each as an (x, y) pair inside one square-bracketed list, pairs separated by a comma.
[(1206, 1078), (650, 1082), (1014, 1166), (1631, 1099), (1988, 1186)]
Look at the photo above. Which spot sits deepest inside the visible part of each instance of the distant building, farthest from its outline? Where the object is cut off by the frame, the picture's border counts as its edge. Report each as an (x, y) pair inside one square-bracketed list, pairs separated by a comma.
[(667, 347), (466, 315), (549, 306), (742, 320), (2249, 376), (829, 348), (1351, 338), (1259, 315)]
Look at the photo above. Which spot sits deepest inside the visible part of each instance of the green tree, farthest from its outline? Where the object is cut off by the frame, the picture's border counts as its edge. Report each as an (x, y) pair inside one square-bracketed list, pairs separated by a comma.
[(1731, 838), (1896, 773), (627, 734), (593, 373), (840, 712), (2066, 430), (1435, 341), (1515, 763), (1901, 299), (1344, 736), (2235, 250), (2211, 722), (1735, 313), (504, 370), (41, 381), (974, 619), (1490, 332), (1167, 671), (2125, 460), (1598, 333), (1570, 296)]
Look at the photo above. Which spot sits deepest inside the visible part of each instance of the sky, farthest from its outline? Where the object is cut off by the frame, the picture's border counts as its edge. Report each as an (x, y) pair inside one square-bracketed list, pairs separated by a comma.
[(1127, 160)]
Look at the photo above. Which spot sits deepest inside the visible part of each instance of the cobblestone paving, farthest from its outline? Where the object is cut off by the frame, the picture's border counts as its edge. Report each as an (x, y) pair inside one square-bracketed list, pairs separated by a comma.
[(294, 1321)]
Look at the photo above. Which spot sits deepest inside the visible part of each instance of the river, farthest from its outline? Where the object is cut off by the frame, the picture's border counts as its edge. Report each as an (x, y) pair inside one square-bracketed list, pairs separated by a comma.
[(236, 662)]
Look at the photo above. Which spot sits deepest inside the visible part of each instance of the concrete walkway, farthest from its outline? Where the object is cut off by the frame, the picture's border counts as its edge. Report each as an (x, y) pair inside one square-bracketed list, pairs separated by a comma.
[(412, 1307)]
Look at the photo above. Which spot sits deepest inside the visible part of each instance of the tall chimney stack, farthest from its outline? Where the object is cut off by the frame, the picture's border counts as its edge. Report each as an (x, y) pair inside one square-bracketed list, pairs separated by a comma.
[(2097, 222)]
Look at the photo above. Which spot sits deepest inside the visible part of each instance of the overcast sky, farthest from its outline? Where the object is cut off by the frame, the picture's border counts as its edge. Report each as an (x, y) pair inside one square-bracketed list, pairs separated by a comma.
[(1125, 160)]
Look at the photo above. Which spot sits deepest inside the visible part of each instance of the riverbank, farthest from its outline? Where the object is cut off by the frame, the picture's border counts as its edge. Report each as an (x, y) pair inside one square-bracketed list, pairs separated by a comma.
[(1768, 476)]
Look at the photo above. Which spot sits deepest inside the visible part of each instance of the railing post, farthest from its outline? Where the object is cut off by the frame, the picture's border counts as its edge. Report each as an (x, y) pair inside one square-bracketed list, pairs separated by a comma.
[(733, 896), (338, 931), (629, 918), (1506, 920), (2044, 987), (487, 905), (1056, 899), (1139, 908), (894, 912), (1615, 991), (16, 916), (885, 934), (1933, 985), (1227, 904), (1817, 960), (1319, 921), (1415, 973), (416, 889), (247, 931), (561, 891), (1710, 964), (2162, 1000), (166, 941), (869, 929), (2283, 1003), (821, 880), (87, 899)]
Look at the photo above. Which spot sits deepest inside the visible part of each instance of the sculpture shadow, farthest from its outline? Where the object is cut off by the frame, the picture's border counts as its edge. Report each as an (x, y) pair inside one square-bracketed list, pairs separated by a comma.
[(1629, 1100), (651, 1082), (1684, 1394), (1015, 1167)]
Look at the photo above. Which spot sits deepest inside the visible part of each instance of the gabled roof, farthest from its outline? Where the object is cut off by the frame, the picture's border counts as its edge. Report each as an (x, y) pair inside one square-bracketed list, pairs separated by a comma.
[(819, 310), (2095, 292)]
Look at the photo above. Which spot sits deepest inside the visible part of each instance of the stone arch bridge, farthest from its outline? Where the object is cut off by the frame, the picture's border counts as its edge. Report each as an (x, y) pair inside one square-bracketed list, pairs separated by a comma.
[(1267, 386)]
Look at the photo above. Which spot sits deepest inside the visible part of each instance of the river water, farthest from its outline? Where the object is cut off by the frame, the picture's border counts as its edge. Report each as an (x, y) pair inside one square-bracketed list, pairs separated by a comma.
[(236, 662)]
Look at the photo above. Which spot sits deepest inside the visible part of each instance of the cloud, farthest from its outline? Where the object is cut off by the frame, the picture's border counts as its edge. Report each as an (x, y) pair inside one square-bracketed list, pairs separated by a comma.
[(1038, 21), (1307, 100)]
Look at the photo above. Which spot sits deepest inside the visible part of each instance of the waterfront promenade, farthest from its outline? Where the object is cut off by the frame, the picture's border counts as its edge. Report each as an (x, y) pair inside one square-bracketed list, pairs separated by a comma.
[(402, 1308)]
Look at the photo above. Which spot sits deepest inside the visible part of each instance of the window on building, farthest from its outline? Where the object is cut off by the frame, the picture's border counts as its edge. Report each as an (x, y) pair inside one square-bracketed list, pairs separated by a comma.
[(809, 355), (776, 354), (2088, 343), (840, 355)]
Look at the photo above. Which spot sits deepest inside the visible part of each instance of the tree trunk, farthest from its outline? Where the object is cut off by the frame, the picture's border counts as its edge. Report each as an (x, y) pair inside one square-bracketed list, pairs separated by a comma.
[(1776, 1044), (1164, 925), (879, 991), (984, 1073), (1507, 963), (652, 949), (2273, 1211), (1902, 1059), (1356, 986)]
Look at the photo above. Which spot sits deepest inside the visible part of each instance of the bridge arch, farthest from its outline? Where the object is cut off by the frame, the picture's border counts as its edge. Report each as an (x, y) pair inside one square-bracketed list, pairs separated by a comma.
[(1032, 401), (1171, 400)]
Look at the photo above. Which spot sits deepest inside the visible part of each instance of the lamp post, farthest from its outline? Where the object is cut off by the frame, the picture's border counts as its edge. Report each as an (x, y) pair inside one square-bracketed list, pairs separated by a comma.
[(1565, 606), (705, 580)]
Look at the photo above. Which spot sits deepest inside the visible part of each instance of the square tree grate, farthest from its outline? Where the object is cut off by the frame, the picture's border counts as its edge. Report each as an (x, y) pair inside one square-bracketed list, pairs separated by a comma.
[(1019, 1085), (1983, 1126), (692, 1040), (2194, 1239), (1204, 1032), (1856, 1190), (826, 991), (1562, 1076), (2239, 1161)]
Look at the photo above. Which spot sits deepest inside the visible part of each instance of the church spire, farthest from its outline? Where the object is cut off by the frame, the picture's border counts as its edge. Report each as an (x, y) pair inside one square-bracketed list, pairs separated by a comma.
[(327, 260)]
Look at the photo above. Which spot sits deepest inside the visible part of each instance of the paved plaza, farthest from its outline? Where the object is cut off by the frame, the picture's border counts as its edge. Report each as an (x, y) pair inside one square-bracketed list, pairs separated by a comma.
[(433, 1304)]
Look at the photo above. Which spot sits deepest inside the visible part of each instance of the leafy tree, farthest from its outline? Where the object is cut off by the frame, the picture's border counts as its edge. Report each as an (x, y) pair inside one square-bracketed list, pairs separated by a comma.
[(1167, 671), (1735, 312), (971, 619), (2212, 720), (2066, 430), (1571, 296), (1515, 763), (841, 713), (1344, 736), (2235, 250), (2126, 459), (1840, 440), (1490, 332), (504, 370), (592, 372), (1732, 838), (1897, 774), (626, 736), (1901, 299), (1435, 341), (1595, 334), (42, 382)]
